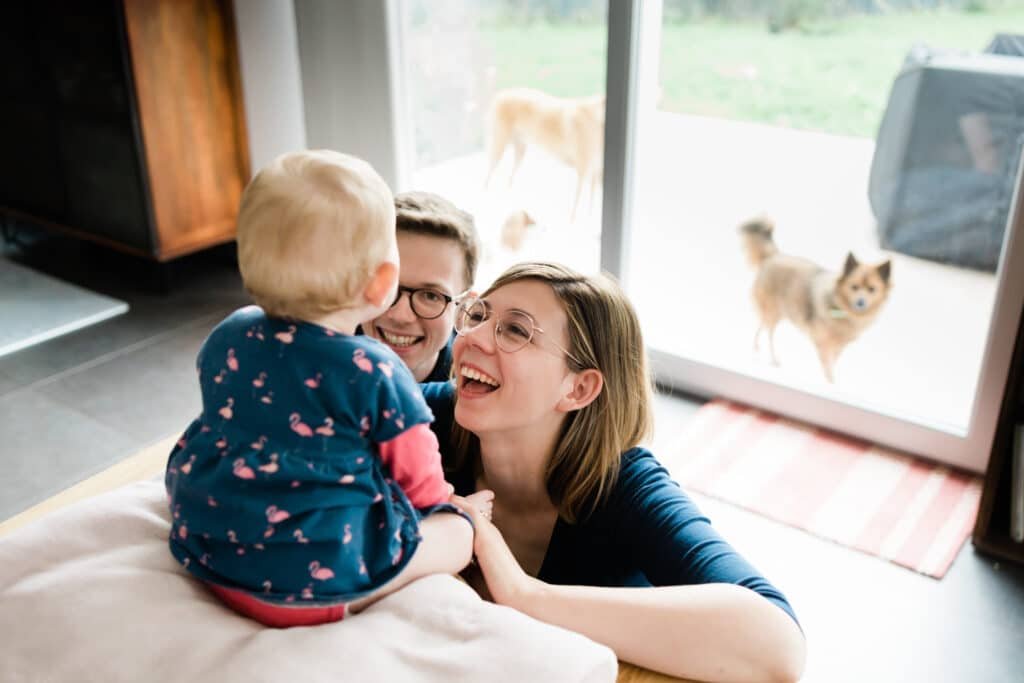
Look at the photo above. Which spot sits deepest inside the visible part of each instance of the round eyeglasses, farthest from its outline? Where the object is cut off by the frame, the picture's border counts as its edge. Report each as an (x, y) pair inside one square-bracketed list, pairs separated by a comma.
[(426, 303), (512, 329)]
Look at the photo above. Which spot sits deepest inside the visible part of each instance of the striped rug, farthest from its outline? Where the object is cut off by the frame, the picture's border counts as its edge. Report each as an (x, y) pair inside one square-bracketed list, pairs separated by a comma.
[(863, 496)]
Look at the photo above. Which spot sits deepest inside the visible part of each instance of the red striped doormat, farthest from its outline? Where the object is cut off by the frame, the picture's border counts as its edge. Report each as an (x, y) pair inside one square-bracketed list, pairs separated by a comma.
[(860, 495)]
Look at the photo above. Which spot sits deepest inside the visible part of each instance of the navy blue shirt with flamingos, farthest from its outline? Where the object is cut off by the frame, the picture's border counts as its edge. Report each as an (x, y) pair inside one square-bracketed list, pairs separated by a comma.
[(305, 477)]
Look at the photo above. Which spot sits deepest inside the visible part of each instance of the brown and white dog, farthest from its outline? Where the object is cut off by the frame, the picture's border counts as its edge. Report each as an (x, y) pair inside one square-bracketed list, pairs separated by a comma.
[(572, 130), (833, 309)]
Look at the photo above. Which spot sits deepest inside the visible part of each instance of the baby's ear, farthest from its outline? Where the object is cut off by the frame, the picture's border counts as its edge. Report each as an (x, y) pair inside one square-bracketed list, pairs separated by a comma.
[(382, 284)]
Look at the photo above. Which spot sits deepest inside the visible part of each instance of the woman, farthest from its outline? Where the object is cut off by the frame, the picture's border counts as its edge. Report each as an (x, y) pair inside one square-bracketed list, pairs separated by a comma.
[(588, 532)]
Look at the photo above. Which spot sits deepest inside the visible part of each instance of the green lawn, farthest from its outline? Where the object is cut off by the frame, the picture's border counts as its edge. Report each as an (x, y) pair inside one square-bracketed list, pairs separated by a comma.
[(835, 77)]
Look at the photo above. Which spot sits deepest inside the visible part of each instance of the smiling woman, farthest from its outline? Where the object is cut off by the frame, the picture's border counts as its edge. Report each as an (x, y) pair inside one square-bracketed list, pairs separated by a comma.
[(588, 531)]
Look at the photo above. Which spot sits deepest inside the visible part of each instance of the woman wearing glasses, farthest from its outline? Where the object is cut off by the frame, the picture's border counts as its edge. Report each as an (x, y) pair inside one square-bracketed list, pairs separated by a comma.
[(438, 246), (551, 401)]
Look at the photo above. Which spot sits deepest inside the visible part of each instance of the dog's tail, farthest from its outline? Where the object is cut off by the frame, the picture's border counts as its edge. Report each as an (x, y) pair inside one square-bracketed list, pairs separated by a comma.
[(757, 240)]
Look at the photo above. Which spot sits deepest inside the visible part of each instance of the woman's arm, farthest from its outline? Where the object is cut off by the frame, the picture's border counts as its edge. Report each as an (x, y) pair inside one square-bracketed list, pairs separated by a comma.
[(713, 632)]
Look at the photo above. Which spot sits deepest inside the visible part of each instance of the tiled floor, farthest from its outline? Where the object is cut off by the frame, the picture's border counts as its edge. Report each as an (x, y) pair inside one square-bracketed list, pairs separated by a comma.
[(76, 404), (72, 406)]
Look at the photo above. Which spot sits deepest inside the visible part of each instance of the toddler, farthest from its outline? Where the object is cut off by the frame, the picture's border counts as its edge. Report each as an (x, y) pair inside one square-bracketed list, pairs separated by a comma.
[(308, 486)]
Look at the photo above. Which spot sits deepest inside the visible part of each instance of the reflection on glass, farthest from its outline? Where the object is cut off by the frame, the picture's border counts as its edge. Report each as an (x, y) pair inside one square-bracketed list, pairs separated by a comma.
[(870, 158), (505, 101)]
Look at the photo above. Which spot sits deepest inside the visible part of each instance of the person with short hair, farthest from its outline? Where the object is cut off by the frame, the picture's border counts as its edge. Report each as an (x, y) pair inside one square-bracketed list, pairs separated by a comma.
[(550, 404), (311, 484), (439, 250)]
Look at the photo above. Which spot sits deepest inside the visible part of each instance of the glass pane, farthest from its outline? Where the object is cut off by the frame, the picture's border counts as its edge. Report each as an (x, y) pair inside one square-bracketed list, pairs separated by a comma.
[(880, 147), (487, 80)]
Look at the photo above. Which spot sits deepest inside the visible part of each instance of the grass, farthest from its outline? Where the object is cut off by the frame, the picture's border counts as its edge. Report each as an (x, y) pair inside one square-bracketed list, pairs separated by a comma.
[(834, 77)]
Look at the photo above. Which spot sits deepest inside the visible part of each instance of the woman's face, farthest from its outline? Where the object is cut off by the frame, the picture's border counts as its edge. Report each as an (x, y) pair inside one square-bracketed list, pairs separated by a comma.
[(519, 389)]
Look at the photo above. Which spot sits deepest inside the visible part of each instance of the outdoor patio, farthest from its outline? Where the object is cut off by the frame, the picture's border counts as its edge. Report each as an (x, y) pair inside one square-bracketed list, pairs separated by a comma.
[(696, 180)]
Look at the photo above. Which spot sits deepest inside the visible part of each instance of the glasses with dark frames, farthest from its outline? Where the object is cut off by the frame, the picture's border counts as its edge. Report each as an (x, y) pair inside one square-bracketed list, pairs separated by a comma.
[(426, 303), (513, 330)]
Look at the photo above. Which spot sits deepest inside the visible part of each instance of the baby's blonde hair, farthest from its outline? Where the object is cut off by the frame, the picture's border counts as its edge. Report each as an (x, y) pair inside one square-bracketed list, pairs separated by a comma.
[(312, 229)]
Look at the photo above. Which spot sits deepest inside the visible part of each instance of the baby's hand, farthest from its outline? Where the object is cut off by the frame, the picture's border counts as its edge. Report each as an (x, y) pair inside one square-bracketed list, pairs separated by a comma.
[(483, 501)]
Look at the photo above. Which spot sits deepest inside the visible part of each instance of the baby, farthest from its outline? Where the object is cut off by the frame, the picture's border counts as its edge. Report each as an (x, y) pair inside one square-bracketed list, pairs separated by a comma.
[(307, 488)]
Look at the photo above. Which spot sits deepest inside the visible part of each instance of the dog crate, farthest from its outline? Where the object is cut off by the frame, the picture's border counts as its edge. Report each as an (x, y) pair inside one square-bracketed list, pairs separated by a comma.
[(946, 156)]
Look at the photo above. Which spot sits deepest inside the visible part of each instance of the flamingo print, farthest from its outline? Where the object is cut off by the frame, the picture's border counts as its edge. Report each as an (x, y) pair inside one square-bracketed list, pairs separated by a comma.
[(362, 566), (267, 586), (241, 470), (187, 467), (327, 428), (259, 443), (320, 573), (221, 443), (361, 361), (386, 367), (271, 466), (364, 425), (268, 532), (232, 362), (313, 382), (211, 501), (260, 380), (307, 592), (299, 537), (347, 479), (226, 412), (299, 427), (232, 536), (268, 399), (183, 532), (286, 337), (219, 377), (274, 515), (347, 537)]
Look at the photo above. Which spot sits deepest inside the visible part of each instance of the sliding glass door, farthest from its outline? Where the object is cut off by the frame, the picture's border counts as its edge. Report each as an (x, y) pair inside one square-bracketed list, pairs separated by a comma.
[(840, 185), (821, 211), (503, 104)]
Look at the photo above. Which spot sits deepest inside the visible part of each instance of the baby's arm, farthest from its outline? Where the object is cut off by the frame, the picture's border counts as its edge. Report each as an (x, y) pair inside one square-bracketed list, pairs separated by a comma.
[(415, 464)]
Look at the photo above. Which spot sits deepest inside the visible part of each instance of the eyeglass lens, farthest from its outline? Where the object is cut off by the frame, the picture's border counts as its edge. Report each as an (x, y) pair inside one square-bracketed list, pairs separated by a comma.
[(512, 330), (425, 303)]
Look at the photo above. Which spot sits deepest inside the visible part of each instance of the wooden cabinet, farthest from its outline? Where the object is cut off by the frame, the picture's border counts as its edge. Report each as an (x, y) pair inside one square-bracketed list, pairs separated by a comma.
[(123, 121), (992, 528)]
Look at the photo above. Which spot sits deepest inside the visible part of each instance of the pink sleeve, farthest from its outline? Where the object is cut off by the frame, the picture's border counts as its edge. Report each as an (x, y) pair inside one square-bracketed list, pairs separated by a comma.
[(416, 465)]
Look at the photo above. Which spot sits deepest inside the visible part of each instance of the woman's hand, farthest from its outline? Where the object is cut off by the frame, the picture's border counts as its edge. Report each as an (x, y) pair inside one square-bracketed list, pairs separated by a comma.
[(505, 581)]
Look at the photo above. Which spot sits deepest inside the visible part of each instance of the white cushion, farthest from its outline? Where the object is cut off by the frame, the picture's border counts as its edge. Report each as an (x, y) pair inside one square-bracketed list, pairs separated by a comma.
[(91, 593)]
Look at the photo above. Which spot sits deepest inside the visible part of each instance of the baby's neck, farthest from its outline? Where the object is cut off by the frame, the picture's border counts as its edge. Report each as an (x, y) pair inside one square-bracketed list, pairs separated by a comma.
[(344, 321)]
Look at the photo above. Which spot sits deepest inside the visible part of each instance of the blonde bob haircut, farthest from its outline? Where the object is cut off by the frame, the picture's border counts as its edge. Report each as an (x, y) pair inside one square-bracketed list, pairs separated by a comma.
[(313, 227), (604, 334)]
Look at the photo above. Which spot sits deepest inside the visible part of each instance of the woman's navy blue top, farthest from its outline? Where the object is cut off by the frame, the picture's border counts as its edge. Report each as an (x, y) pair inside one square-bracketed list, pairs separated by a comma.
[(646, 532)]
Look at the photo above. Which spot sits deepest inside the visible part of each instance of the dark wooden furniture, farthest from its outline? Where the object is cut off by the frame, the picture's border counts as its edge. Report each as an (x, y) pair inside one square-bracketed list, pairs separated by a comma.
[(123, 121), (992, 528)]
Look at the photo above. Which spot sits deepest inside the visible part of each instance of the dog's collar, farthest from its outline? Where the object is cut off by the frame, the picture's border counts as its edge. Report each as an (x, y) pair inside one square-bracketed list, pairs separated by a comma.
[(837, 313)]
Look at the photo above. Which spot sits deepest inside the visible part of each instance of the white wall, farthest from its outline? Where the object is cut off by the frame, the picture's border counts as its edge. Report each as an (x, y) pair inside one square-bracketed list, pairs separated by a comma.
[(347, 52), (271, 78)]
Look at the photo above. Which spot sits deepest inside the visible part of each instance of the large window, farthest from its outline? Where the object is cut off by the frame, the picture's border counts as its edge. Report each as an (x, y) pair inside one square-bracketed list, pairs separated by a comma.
[(879, 143), (485, 82), (873, 157)]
